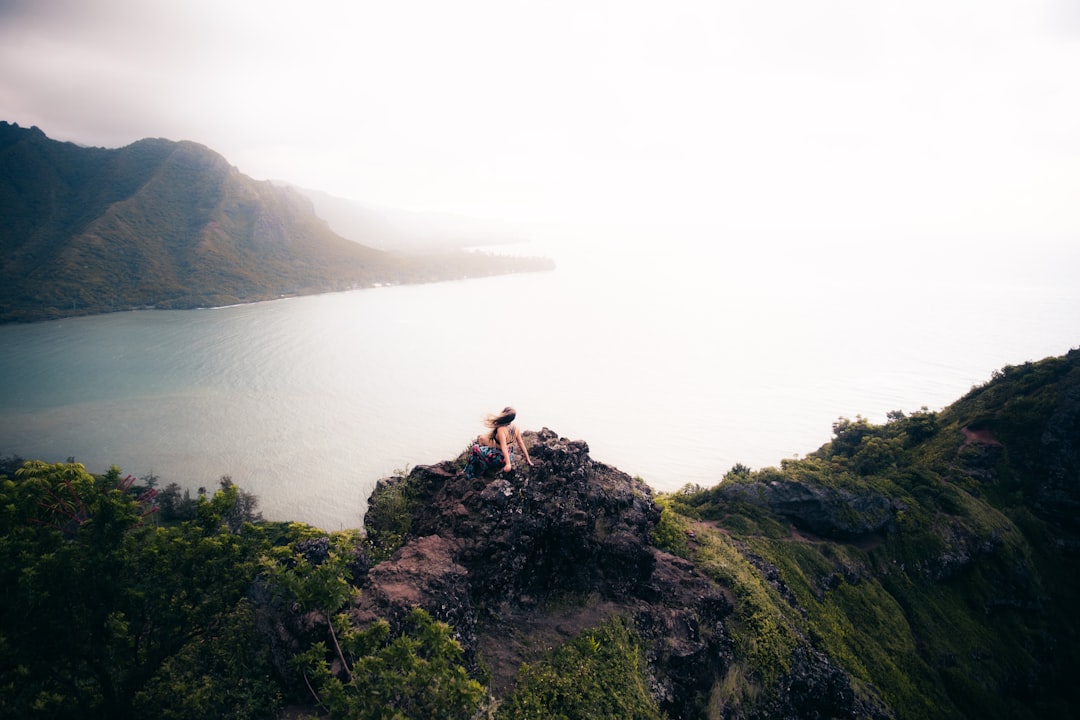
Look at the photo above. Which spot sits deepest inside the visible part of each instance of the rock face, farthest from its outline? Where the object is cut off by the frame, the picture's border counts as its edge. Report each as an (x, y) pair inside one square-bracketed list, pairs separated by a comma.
[(834, 513), (569, 524), (492, 556)]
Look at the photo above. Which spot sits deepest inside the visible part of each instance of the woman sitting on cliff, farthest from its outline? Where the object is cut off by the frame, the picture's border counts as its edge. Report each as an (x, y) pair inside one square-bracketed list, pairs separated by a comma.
[(497, 446)]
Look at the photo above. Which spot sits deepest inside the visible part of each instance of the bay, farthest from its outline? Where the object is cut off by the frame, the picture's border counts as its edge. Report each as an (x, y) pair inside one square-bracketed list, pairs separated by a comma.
[(674, 358)]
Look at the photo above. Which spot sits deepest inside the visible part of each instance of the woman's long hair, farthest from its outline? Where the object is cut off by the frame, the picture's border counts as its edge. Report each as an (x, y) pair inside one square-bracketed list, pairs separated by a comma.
[(501, 420)]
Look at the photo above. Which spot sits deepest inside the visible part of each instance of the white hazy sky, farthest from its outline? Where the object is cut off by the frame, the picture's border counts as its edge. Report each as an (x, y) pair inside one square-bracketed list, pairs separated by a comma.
[(951, 114)]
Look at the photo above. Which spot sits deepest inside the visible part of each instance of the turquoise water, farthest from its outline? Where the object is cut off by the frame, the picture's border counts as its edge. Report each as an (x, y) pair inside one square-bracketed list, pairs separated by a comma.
[(672, 365)]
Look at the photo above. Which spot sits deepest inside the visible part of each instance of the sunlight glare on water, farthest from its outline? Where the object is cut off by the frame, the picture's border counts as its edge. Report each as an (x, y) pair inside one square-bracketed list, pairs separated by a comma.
[(673, 364)]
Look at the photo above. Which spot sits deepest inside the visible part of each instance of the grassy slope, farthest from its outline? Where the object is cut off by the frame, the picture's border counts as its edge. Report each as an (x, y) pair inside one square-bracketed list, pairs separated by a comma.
[(965, 607)]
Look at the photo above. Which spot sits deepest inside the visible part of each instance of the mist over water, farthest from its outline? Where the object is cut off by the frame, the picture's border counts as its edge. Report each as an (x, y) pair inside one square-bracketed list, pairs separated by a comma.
[(674, 359)]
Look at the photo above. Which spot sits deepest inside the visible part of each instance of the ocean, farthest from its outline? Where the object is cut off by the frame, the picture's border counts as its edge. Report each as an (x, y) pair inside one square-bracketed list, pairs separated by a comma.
[(673, 358)]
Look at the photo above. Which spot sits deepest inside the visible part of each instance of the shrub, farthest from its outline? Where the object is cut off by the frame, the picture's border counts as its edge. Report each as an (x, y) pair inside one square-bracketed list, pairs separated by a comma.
[(599, 674)]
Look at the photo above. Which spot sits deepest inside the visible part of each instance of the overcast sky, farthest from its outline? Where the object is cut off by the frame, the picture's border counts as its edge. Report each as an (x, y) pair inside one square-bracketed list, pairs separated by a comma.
[(950, 114)]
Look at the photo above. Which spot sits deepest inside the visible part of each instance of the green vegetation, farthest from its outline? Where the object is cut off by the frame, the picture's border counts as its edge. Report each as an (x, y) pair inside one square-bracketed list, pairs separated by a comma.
[(366, 674), (965, 605), (599, 674), (226, 675), (390, 513), (100, 602), (112, 611), (671, 531)]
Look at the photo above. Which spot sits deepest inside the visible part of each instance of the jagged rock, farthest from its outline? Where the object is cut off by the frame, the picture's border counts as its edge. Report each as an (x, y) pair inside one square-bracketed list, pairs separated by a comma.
[(835, 513), (816, 688), (683, 626), (487, 554), (425, 574), (568, 524)]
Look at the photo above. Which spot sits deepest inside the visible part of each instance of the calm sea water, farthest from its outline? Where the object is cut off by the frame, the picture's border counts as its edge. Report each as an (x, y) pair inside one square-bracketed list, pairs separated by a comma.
[(673, 361)]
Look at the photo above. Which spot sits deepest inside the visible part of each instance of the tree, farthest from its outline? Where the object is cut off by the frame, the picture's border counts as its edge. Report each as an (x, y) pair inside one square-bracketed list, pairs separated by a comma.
[(239, 506), (876, 454), (226, 675), (370, 673), (95, 600), (174, 506), (848, 435)]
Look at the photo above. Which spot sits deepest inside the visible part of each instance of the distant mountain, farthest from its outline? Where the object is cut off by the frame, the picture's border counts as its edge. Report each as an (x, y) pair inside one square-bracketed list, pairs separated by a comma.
[(172, 225), (403, 230)]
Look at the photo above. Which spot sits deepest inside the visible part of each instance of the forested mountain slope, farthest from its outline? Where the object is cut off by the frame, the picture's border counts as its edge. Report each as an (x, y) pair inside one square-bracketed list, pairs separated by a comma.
[(172, 225)]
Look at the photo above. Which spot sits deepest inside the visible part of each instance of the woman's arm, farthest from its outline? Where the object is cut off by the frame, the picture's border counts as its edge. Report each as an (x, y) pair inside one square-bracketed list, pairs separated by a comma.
[(521, 442)]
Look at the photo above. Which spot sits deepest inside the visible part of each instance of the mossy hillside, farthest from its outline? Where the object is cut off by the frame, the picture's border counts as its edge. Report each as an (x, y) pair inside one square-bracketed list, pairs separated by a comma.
[(963, 606), (599, 674)]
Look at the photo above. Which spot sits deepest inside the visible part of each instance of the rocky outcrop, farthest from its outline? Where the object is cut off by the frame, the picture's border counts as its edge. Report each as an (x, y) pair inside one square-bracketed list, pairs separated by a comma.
[(491, 555), (567, 525), (520, 561), (816, 688), (834, 513)]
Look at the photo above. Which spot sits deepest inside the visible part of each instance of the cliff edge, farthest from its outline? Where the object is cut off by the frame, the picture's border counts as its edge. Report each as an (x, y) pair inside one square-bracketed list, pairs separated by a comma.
[(521, 562)]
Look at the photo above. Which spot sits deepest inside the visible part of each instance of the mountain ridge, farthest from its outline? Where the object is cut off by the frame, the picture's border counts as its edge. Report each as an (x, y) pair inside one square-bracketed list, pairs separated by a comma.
[(167, 224)]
